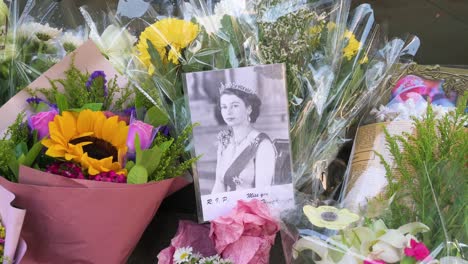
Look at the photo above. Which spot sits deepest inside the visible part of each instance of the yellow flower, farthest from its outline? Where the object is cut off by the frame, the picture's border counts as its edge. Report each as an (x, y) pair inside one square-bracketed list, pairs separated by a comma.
[(364, 60), (331, 26), (353, 45), (89, 138), (317, 29), (329, 217), (170, 36)]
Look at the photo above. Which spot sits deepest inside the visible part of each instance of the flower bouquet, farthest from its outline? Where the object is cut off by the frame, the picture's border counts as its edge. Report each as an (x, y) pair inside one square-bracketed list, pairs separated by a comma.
[(404, 199), (90, 155), (32, 47), (12, 246), (243, 236)]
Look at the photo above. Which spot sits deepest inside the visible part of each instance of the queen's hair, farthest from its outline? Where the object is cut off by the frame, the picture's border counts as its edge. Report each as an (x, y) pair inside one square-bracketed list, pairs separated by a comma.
[(249, 99)]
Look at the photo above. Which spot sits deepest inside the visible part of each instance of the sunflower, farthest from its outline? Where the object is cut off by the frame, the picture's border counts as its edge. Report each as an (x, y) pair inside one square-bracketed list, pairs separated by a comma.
[(170, 36), (89, 138)]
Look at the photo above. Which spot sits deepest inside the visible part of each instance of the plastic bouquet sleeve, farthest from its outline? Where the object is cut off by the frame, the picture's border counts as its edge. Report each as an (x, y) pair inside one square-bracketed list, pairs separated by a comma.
[(39, 35), (403, 199), (81, 221), (12, 219)]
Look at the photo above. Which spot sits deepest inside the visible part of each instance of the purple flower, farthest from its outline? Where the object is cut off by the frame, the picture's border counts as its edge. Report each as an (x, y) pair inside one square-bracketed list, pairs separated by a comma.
[(146, 134), (131, 111), (40, 122), (163, 130), (36, 100), (95, 75)]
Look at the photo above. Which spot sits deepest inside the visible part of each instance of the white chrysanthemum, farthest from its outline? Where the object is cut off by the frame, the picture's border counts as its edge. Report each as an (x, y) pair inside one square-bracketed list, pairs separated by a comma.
[(38, 31), (230, 7), (71, 41), (182, 255)]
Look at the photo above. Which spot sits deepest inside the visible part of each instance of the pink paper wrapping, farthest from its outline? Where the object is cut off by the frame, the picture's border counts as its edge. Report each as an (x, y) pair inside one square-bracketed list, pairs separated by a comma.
[(79, 221), (189, 234), (12, 219), (86, 58), (246, 234)]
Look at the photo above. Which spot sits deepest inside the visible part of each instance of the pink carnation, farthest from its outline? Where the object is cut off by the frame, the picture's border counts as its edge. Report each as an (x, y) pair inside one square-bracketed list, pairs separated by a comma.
[(417, 250), (246, 235)]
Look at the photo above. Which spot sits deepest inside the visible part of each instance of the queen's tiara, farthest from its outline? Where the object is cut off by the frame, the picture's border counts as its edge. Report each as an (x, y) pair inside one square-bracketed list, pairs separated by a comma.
[(236, 86)]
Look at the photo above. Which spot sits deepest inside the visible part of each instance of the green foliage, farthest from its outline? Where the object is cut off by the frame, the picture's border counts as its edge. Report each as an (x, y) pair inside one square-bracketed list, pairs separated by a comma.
[(161, 161), (18, 132), (429, 178), (17, 148), (77, 95), (170, 164), (155, 117), (7, 156)]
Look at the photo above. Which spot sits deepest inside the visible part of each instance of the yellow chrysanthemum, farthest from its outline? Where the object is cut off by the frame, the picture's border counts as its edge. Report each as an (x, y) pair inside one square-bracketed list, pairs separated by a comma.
[(353, 46), (330, 217), (90, 138), (169, 36)]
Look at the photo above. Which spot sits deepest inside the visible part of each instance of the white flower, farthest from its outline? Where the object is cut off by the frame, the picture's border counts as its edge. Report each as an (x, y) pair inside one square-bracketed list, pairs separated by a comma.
[(116, 43), (210, 260), (70, 41), (182, 255), (212, 21), (230, 7), (330, 217), (373, 242), (38, 31), (403, 111)]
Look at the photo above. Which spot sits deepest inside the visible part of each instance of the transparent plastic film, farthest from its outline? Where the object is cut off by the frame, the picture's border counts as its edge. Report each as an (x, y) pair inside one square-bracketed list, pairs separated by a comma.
[(208, 36), (38, 37), (110, 33)]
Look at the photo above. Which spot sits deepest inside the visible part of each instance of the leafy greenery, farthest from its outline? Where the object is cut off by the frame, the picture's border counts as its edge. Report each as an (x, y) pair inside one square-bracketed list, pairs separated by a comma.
[(162, 160), (76, 94), (170, 164), (429, 178), (17, 148)]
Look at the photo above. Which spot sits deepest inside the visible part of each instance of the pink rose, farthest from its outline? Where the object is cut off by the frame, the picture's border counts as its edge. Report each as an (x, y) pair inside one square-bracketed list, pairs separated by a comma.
[(246, 235), (40, 122), (145, 134), (417, 250)]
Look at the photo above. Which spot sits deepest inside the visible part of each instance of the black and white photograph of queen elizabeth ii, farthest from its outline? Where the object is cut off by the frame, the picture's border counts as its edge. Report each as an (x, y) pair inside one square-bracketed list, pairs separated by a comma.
[(243, 136)]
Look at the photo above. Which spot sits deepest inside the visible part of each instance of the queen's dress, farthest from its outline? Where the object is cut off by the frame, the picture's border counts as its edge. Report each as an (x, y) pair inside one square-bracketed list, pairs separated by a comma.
[(242, 165)]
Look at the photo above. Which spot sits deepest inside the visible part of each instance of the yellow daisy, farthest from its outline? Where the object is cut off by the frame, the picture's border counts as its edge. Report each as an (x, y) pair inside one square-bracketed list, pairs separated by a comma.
[(170, 36), (330, 217), (89, 138)]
